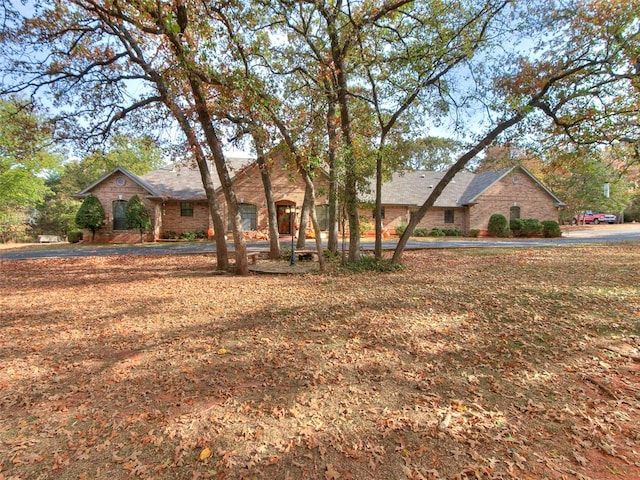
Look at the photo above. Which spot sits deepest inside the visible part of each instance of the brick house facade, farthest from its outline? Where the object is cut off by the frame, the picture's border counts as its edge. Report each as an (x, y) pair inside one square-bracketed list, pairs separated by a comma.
[(468, 201), (177, 201)]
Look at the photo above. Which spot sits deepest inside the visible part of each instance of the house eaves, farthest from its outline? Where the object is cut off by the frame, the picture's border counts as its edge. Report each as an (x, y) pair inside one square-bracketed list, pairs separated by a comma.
[(184, 183), (153, 193), (483, 181), (412, 188)]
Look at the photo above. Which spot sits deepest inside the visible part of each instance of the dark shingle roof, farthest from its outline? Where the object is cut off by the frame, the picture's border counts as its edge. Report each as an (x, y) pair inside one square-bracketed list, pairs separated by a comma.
[(480, 182), (185, 183), (413, 188)]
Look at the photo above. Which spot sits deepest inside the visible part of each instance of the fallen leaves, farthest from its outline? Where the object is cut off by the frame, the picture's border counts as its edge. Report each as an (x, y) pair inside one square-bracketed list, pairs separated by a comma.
[(464, 365), (331, 473), (204, 454)]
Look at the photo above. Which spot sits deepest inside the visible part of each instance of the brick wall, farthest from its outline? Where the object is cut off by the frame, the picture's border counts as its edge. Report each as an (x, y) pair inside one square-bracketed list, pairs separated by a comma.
[(109, 191), (287, 189), (398, 215), (534, 202), (172, 219), (166, 216)]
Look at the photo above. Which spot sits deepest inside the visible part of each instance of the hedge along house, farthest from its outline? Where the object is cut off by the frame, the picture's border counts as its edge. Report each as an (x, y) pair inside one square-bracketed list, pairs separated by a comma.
[(177, 201), (468, 201)]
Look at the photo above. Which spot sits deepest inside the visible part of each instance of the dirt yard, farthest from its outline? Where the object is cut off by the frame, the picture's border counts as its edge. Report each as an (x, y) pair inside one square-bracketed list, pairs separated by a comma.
[(471, 364)]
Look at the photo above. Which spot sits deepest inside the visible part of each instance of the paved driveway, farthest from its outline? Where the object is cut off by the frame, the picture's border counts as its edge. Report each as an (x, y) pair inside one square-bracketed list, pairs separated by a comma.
[(572, 235)]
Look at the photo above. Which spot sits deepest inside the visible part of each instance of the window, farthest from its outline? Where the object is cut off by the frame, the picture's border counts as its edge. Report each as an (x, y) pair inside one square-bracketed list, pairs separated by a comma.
[(514, 212), (322, 214), (448, 215), (248, 214), (186, 209), (373, 213), (119, 219)]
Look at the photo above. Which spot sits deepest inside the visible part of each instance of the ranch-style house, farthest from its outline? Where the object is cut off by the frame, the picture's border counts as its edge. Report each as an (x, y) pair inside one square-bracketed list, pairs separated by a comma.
[(176, 199)]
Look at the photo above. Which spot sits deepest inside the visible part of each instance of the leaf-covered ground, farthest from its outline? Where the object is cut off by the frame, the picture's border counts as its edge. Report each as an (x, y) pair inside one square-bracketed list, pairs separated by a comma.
[(468, 364)]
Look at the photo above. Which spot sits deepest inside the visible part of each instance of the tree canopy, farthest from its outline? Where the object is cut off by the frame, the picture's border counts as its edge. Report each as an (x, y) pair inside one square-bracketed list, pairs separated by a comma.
[(25, 158), (139, 155), (342, 83)]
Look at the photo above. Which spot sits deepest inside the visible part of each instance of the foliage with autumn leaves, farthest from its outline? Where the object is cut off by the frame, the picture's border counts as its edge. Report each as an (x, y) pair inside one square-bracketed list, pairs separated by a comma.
[(353, 82)]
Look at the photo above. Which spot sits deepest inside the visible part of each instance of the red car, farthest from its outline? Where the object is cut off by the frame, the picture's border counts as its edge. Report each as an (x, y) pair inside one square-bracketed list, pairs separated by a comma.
[(595, 218)]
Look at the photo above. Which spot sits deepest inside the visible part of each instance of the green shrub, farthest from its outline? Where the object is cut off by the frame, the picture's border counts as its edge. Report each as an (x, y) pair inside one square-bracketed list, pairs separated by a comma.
[(474, 232), (551, 229), (532, 226), (525, 227), (516, 225), (90, 215), (74, 236), (452, 232), (436, 232), (400, 229), (365, 225), (498, 226), (421, 232), (200, 234), (188, 236), (170, 235), (137, 216)]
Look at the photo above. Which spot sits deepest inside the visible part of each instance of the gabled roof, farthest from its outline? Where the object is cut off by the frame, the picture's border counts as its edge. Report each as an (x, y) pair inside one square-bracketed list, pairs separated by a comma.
[(185, 182), (413, 187), (132, 176), (482, 181), (174, 182)]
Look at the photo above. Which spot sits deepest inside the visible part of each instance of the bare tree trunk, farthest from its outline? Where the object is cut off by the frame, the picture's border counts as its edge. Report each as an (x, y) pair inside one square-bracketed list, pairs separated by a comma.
[(219, 229), (185, 54), (446, 179), (332, 135), (274, 237), (351, 179), (206, 121), (378, 209), (222, 253), (168, 99), (307, 206), (314, 220)]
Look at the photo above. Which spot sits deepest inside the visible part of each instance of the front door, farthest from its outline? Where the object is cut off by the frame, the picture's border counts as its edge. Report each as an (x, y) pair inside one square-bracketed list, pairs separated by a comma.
[(284, 219)]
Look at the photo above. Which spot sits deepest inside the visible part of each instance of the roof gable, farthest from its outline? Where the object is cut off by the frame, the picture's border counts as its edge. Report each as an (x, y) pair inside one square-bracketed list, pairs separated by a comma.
[(480, 183), (484, 180), (413, 187), (132, 176)]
